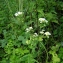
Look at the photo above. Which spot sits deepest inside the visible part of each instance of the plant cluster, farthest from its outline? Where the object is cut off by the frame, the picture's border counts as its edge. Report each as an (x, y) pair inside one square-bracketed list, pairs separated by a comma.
[(31, 31)]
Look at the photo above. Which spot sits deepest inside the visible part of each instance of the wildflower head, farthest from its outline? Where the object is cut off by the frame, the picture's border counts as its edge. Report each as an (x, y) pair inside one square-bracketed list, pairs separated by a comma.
[(47, 33), (35, 35), (43, 20), (42, 32), (18, 13), (29, 29)]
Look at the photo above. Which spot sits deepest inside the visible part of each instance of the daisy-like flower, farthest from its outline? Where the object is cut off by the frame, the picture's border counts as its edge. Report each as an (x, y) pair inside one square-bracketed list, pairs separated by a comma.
[(18, 13), (35, 35), (29, 29), (47, 33), (42, 32), (42, 20)]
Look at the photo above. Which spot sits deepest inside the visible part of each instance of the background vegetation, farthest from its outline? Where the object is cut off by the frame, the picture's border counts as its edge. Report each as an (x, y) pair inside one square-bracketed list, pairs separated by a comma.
[(18, 46)]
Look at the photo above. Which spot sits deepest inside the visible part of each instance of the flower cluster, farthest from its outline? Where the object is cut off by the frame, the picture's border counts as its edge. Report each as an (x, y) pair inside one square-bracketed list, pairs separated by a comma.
[(29, 29), (43, 20), (18, 13), (42, 32), (35, 35), (47, 33)]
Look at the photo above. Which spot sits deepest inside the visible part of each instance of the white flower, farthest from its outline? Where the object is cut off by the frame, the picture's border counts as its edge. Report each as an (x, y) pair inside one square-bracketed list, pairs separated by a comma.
[(35, 35), (47, 33), (42, 20), (29, 29), (41, 32), (18, 13)]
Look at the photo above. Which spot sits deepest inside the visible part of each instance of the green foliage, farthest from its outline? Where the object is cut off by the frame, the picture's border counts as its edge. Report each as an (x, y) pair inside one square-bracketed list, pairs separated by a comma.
[(60, 54), (55, 58), (25, 29)]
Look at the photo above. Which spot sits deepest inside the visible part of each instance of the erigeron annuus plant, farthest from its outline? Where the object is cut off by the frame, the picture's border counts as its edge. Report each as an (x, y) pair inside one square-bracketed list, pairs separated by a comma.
[(36, 38), (42, 21)]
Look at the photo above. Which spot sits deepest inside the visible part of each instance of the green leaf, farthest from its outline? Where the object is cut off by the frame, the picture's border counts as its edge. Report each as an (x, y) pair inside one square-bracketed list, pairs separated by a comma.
[(55, 21), (20, 38), (3, 42), (28, 59)]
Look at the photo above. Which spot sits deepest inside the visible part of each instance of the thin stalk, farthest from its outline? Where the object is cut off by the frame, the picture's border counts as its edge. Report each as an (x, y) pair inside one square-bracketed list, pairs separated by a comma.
[(46, 51), (20, 5), (37, 15)]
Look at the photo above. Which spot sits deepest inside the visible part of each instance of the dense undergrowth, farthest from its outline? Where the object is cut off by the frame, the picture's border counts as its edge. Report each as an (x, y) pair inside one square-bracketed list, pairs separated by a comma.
[(31, 31)]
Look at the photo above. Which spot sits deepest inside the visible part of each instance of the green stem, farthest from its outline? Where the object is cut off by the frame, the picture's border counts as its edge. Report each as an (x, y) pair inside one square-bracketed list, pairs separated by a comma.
[(46, 51), (20, 5), (37, 15)]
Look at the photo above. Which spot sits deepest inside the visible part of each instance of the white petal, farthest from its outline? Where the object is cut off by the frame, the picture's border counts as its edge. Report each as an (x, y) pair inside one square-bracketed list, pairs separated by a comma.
[(16, 14), (30, 28), (47, 33), (19, 12)]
